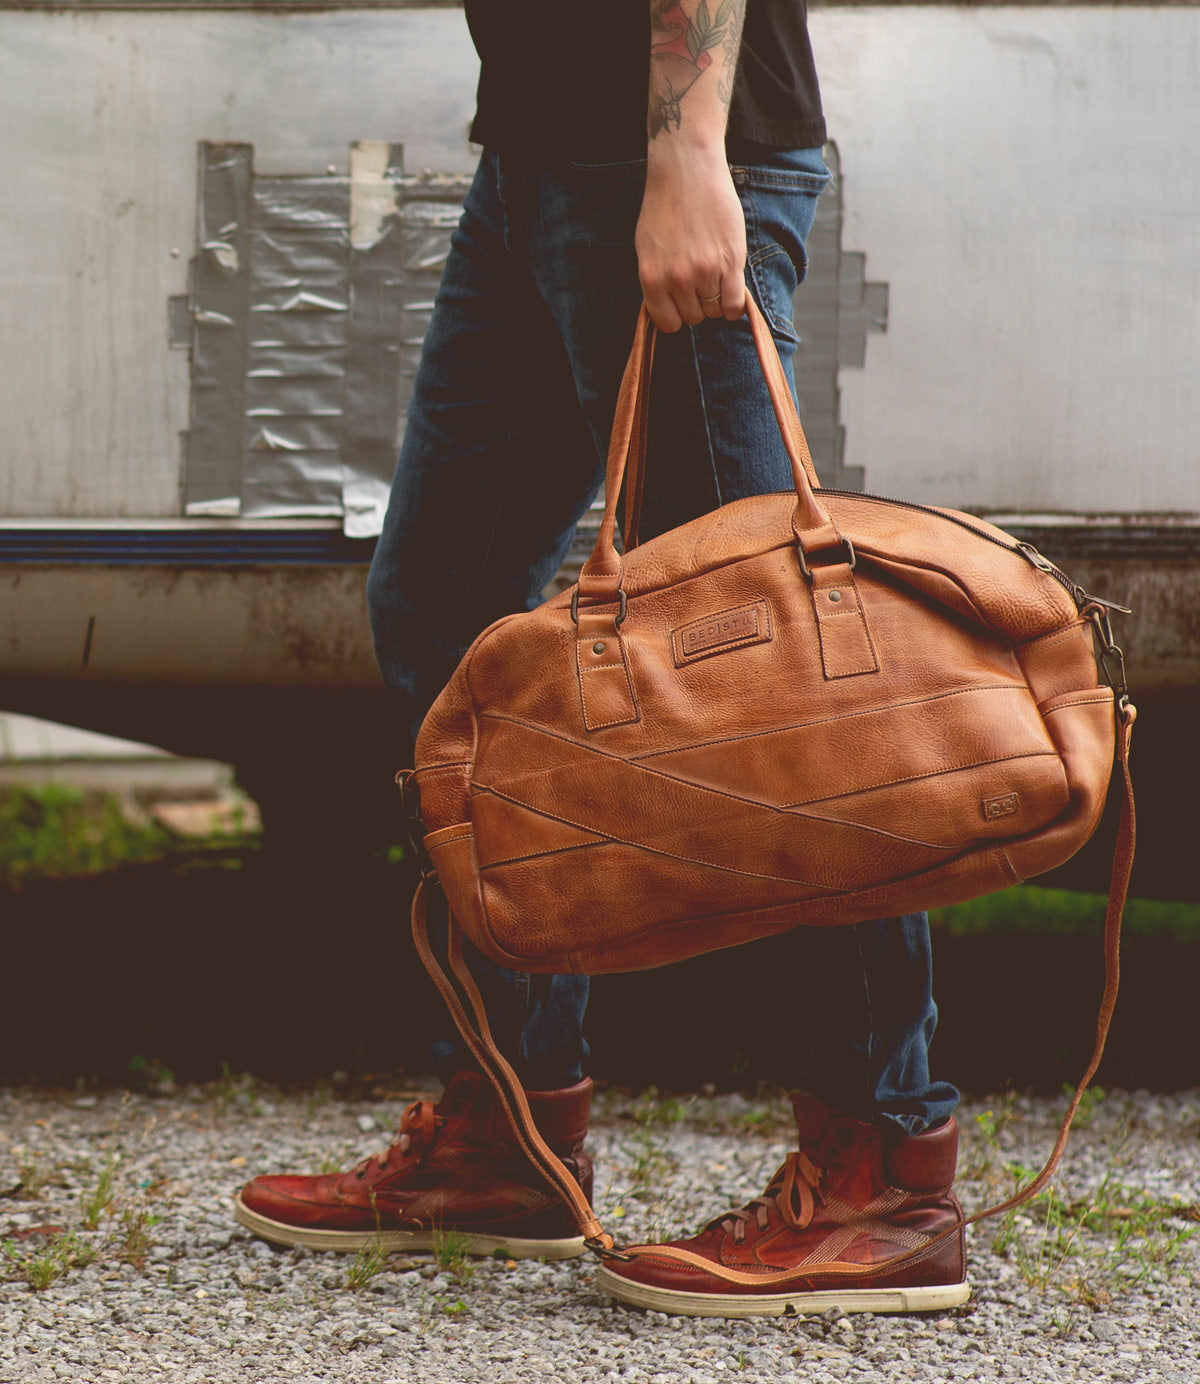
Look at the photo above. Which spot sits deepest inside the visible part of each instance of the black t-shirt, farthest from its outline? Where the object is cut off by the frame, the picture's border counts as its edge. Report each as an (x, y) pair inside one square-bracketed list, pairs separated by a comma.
[(569, 81)]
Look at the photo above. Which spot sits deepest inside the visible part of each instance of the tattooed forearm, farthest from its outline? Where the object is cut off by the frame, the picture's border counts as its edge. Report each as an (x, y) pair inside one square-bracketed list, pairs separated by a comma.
[(687, 39)]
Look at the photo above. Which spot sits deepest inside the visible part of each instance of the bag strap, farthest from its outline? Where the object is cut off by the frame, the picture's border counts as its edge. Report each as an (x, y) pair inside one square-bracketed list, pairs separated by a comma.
[(459, 990), (600, 576), (470, 1015)]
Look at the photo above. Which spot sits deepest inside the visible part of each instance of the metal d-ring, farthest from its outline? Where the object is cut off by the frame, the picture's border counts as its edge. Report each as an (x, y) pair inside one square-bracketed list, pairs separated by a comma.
[(851, 558), (622, 609)]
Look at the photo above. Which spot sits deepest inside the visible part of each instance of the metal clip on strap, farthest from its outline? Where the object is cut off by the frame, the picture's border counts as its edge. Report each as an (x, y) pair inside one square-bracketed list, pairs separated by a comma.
[(1112, 656), (414, 830)]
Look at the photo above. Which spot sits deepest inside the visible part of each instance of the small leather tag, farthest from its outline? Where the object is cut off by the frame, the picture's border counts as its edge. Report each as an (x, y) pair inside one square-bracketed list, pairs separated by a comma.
[(1003, 806), (846, 647), (722, 631), (605, 688)]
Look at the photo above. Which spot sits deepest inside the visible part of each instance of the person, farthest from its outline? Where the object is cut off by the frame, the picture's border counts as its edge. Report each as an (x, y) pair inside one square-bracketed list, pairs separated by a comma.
[(672, 155)]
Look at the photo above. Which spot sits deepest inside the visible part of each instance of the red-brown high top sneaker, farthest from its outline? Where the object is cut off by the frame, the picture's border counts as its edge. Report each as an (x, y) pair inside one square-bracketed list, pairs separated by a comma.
[(455, 1166), (824, 1233)]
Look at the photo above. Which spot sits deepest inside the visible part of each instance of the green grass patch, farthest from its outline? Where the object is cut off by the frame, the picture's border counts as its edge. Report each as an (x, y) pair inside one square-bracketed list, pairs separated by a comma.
[(57, 830), (1064, 913)]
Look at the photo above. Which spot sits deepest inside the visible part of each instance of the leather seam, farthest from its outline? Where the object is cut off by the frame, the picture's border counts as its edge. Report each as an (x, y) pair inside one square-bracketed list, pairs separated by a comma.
[(696, 860), (1083, 701), (932, 773), (1009, 869), (886, 709), (587, 957), (1071, 632), (724, 793)]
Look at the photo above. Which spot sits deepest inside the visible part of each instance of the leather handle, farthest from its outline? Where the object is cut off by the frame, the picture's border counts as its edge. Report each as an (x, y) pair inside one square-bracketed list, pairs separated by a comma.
[(600, 576)]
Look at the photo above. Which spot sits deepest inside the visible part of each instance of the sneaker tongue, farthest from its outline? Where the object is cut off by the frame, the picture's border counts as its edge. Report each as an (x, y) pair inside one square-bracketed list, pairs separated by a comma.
[(812, 1120), (461, 1091)]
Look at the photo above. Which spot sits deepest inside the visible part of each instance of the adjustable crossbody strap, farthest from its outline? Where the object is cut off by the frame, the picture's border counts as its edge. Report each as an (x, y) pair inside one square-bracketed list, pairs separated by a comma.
[(470, 1015)]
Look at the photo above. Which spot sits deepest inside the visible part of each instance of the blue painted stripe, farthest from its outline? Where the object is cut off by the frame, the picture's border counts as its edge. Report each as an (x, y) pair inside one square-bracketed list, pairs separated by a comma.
[(184, 547)]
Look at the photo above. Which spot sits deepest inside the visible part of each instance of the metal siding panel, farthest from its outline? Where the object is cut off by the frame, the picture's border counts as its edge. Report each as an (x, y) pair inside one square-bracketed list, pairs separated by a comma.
[(220, 299)]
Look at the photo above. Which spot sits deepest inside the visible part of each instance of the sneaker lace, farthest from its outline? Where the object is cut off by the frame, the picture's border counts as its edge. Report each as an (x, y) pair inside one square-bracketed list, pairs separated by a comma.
[(792, 1193), (418, 1127)]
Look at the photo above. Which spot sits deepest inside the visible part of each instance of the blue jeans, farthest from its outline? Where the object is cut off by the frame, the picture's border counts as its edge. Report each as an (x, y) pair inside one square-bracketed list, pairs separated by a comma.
[(504, 451)]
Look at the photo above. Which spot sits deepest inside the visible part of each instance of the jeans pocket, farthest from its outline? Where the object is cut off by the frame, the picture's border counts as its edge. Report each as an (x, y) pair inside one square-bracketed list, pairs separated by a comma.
[(780, 203)]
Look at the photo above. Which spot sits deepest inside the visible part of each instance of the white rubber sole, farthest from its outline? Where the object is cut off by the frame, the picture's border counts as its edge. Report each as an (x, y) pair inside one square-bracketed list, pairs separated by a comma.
[(678, 1303), (351, 1241)]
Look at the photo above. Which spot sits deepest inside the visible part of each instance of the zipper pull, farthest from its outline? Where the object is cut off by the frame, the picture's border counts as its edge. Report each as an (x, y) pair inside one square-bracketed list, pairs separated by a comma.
[(1108, 605), (1031, 554)]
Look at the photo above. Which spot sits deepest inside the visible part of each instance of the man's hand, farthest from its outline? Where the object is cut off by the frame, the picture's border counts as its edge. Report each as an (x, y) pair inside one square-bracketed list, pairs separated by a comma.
[(691, 236)]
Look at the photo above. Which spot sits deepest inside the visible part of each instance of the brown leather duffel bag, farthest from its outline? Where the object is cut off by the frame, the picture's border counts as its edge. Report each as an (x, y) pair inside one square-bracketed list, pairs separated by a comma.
[(815, 707)]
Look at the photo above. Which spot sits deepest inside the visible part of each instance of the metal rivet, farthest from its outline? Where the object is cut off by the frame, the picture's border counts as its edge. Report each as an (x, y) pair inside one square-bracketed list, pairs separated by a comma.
[(599, 647), (835, 595)]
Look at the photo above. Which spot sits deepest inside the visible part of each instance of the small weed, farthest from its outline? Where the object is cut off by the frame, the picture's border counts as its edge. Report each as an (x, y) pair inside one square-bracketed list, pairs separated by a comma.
[(653, 1109), (236, 1090), (450, 1252), (150, 1075), (367, 1264), (1093, 1248), (371, 1260), (317, 1100), (44, 1268), (94, 1204), (1064, 1324), (454, 1309), (35, 1176), (988, 1156), (663, 1220), (1089, 1102), (333, 1160), (133, 1236), (651, 1165)]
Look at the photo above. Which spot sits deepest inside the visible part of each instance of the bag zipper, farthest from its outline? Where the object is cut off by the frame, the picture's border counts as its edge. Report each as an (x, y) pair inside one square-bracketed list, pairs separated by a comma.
[(1026, 550)]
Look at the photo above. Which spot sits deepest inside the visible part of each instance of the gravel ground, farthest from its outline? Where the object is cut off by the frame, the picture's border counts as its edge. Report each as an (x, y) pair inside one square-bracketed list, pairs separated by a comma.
[(174, 1290)]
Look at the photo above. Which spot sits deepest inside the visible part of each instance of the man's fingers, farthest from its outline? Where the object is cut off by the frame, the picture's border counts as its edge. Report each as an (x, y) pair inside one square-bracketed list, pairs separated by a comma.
[(710, 303), (663, 312), (675, 300), (733, 299)]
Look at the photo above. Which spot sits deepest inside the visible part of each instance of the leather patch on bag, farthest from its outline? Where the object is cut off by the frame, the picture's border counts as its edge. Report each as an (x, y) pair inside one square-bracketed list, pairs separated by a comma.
[(722, 631), (1003, 806)]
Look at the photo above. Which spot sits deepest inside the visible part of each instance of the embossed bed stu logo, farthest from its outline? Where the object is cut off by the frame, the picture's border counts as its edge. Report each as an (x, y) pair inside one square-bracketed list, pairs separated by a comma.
[(725, 629), (1000, 807), (720, 629)]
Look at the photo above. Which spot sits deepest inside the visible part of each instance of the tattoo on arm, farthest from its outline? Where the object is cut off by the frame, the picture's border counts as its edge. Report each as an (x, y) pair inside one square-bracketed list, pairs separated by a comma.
[(686, 40)]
